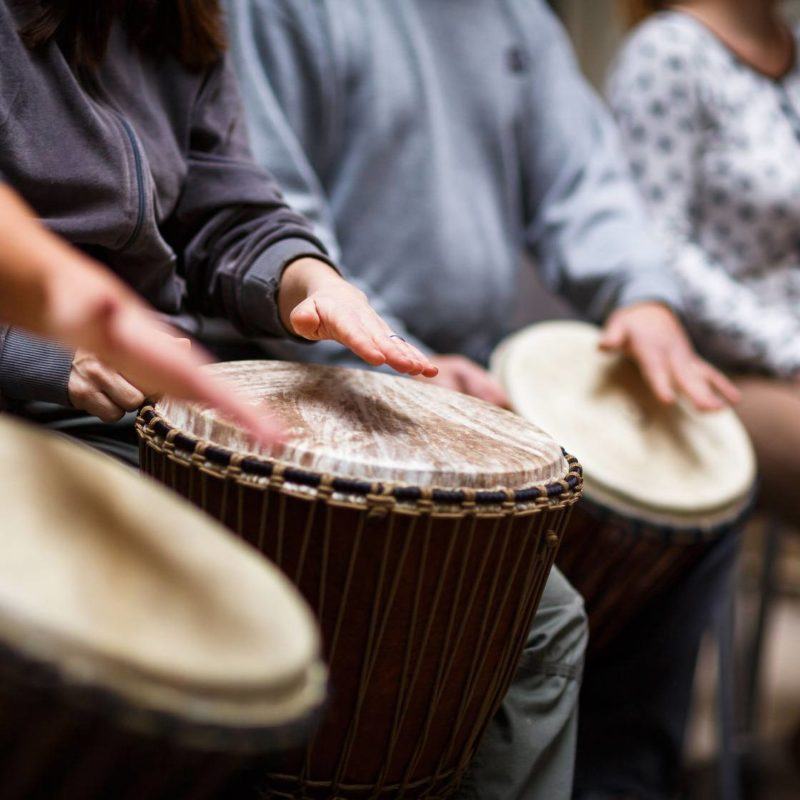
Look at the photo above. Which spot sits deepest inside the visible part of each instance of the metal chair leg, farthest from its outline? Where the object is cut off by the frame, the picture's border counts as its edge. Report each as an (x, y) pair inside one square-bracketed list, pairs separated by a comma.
[(729, 766), (767, 589)]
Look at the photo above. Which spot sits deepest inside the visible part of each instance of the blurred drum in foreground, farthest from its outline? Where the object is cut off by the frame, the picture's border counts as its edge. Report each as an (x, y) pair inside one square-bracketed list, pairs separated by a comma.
[(144, 651), (420, 524), (661, 483)]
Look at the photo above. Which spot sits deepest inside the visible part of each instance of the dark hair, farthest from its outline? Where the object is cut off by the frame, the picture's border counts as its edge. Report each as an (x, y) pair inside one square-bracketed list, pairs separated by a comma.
[(190, 30)]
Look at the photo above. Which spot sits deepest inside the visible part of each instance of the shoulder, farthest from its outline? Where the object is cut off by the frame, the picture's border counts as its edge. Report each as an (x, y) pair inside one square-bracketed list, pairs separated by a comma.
[(666, 55), (669, 40)]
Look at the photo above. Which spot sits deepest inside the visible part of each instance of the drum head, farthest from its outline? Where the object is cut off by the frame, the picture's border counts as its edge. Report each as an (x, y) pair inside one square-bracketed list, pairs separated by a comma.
[(654, 459), (115, 583), (375, 427)]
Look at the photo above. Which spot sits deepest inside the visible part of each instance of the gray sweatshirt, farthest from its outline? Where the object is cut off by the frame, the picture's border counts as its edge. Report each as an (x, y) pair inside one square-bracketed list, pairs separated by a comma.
[(431, 142), (145, 166)]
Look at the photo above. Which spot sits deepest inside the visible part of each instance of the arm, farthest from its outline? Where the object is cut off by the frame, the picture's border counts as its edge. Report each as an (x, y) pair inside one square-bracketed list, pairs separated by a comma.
[(585, 222), (39, 275), (238, 240), (586, 225), (665, 151), (282, 54)]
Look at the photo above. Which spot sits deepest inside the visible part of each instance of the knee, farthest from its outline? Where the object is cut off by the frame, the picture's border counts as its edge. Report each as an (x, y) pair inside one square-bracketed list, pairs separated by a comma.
[(560, 632)]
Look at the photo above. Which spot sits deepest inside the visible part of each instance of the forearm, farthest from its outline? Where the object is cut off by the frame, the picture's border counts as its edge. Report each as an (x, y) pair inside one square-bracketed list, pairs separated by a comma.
[(28, 255), (30, 368), (731, 321)]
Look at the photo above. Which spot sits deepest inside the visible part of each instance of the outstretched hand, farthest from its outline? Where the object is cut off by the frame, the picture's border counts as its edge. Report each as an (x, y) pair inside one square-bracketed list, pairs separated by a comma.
[(654, 338), (317, 303)]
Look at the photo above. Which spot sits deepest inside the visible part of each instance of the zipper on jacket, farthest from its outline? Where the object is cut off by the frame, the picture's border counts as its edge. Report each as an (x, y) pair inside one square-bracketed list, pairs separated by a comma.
[(137, 160)]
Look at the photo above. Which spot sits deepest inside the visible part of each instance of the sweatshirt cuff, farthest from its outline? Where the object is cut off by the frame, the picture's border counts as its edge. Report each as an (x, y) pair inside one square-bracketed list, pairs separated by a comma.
[(652, 287), (32, 368), (258, 297)]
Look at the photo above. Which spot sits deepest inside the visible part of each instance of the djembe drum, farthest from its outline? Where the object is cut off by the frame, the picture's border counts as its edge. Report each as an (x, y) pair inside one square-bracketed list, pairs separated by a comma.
[(662, 484), (420, 525), (129, 668)]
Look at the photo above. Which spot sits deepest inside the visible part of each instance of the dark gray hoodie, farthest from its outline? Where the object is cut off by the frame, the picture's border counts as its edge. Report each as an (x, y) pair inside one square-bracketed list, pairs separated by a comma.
[(145, 166)]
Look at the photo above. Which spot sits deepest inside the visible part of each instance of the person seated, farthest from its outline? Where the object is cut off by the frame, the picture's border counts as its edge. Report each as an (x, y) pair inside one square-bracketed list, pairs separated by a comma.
[(707, 96), (433, 143), (121, 126)]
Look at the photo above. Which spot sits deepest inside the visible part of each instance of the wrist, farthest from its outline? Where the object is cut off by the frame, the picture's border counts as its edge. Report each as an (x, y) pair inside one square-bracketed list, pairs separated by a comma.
[(299, 280)]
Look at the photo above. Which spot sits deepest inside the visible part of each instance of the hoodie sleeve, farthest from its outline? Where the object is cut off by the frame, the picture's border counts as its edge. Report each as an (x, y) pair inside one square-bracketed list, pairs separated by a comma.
[(232, 227)]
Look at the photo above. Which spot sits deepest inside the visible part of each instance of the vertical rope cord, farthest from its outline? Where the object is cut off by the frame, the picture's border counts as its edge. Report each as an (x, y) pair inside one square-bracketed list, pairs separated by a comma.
[(538, 571), (323, 573), (281, 530), (403, 695), (408, 774), (388, 606), (472, 672), (447, 754), (263, 516), (370, 654), (453, 648), (304, 775), (484, 648)]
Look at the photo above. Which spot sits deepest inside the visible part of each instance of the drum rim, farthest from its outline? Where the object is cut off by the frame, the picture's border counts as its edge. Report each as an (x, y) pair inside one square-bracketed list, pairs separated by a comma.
[(636, 523), (638, 504), (187, 726), (152, 427)]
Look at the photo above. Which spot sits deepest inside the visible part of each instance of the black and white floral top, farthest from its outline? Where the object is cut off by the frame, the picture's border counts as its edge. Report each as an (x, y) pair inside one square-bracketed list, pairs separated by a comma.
[(715, 147)]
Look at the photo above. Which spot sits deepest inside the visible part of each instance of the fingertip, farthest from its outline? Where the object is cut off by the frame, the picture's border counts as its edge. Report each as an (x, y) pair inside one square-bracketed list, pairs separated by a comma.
[(666, 396), (608, 343), (734, 397)]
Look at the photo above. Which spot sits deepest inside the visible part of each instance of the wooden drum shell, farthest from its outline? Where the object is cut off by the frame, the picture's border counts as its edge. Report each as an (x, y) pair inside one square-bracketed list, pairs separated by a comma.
[(424, 607), (59, 741), (620, 563)]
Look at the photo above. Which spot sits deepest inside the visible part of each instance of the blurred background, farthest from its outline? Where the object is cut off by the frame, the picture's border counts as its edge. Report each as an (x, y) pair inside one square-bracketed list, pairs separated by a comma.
[(596, 27), (767, 615)]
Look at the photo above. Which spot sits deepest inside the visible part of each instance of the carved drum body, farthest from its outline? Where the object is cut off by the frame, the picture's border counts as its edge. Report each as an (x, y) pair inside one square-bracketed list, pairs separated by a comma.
[(662, 484), (419, 524)]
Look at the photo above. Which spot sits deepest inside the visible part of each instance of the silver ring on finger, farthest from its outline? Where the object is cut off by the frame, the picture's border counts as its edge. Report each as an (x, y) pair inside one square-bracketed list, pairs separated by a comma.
[(397, 336)]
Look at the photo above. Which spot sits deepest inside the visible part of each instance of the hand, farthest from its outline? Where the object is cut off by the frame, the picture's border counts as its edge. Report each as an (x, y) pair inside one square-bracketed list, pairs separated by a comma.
[(315, 302), (100, 390), (653, 337), (462, 375)]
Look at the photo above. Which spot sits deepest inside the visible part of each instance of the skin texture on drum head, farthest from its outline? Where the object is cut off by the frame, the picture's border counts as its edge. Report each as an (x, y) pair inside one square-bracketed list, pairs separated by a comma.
[(654, 458), (369, 426), (119, 584)]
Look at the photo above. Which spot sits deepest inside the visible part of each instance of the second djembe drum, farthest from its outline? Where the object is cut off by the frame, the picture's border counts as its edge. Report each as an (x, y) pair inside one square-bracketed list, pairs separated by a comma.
[(136, 662), (663, 484), (421, 526)]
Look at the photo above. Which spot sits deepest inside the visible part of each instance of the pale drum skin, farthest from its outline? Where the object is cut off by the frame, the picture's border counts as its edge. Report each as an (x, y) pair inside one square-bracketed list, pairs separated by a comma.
[(370, 426)]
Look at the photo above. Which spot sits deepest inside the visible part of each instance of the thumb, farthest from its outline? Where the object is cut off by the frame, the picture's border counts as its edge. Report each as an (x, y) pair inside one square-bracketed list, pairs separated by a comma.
[(614, 335), (305, 320)]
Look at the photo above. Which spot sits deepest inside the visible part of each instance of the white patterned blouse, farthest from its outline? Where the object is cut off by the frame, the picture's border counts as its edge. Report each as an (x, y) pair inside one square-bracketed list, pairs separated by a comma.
[(715, 147)]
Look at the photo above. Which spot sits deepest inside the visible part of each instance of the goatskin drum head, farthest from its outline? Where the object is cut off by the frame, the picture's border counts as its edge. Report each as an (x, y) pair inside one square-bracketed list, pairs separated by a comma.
[(370, 426), (118, 584), (650, 457)]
